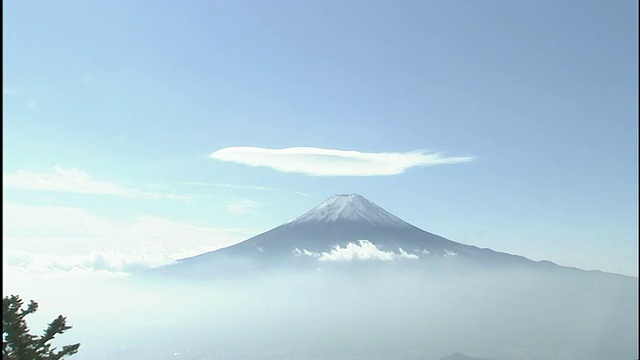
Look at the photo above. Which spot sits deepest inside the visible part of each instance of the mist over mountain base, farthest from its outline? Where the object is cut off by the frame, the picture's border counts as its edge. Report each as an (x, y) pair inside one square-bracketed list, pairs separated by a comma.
[(373, 312)]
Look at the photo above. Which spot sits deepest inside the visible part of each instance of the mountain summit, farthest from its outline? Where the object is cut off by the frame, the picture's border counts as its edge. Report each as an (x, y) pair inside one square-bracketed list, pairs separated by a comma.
[(350, 208)]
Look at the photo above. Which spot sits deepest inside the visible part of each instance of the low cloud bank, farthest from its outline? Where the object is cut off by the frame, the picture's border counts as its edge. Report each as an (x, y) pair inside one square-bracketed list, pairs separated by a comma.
[(364, 250), (103, 260)]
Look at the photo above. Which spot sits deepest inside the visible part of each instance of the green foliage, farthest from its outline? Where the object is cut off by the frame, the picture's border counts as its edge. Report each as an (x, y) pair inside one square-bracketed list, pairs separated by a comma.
[(18, 344)]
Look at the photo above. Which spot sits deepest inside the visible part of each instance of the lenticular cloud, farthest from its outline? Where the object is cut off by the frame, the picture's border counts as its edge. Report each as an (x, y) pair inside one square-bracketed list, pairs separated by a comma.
[(329, 162)]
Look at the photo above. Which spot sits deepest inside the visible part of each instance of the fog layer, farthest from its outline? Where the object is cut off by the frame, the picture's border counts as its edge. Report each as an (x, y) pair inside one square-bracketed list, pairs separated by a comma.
[(380, 311)]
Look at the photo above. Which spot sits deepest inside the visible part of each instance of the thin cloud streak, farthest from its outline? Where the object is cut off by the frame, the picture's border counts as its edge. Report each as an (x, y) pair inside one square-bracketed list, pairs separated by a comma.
[(330, 162), (249, 187), (241, 207), (8, 91), (72, 180)]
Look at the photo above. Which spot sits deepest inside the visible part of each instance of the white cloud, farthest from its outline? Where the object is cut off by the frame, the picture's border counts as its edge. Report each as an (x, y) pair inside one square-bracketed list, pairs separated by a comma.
[(364, 250), (25, 221), (97, 261), (329, 162), (64, 239), (242, 206), (449, 253), (250, 187), (9, 91), (72, 180), (405, 255)]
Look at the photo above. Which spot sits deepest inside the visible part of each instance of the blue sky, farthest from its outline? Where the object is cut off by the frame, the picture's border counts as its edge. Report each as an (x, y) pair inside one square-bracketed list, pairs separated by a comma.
[(135, 133)]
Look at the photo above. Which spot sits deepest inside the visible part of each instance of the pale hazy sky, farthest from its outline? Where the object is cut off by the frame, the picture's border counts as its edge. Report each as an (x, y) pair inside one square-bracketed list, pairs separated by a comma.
[(138, 132)]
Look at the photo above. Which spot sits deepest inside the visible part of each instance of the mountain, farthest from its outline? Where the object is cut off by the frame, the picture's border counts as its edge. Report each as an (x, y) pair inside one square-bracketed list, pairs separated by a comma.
[(349, 280), (348, 228)]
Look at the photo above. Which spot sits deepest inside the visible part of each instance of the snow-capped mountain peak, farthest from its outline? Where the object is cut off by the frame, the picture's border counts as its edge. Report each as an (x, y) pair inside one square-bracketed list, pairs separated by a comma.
[(352, 208)]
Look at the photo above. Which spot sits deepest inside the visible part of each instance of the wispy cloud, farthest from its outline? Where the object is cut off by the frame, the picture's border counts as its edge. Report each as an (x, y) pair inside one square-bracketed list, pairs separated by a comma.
[(329, 162), (248, 187), (363, 250), (242, 206), (9, 91), (72, 180)]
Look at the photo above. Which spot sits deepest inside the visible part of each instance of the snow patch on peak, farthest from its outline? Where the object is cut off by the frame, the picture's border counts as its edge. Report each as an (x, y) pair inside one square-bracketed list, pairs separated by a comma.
[(351, 207)]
